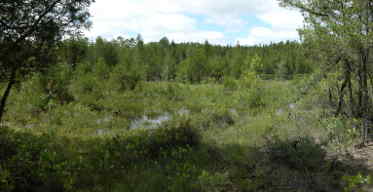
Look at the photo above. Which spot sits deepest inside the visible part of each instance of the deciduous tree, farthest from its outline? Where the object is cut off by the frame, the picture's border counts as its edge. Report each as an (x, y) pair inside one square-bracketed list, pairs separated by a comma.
[(343, 32), (29, 33)]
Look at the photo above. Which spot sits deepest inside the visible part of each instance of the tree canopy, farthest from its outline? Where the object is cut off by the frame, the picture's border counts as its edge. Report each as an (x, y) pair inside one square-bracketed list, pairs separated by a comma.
[(341, 35), (29, 32)]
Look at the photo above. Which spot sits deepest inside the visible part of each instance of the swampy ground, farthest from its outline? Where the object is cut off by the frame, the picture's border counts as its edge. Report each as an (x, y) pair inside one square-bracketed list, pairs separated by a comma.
[(243, 135)]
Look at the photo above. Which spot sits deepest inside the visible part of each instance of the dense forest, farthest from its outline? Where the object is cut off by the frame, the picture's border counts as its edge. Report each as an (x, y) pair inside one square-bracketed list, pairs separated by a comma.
[(187, 62), (120, 114)]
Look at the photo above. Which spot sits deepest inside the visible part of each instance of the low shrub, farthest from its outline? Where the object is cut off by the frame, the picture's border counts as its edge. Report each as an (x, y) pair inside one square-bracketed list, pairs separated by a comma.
[(215, 117), (230, 83), (213, 182), (85, 90), (297, 164), (124, 78), (33, 163), (301, 153), (146, 144)]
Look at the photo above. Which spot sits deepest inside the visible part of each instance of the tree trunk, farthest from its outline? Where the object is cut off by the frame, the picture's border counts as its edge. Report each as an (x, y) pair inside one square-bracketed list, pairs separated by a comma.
[(6, 94), (352, 102), (341, 96), (365, 95)]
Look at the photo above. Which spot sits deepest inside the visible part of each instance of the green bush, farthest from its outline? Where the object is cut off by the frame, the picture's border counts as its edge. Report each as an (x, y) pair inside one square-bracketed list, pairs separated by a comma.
[(84, 89), (213, 182), (356, 183), (146, 144), (56, 82), (230, 83), (214, 117), (258, 97), (249, 80), (340, 133), (301, 153), (124, 79), (32, 98), (33, 163), (168, 90)]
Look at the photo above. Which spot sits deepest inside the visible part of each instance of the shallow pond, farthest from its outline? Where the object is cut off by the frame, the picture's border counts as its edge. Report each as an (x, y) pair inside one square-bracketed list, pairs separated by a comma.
[(150, 123)]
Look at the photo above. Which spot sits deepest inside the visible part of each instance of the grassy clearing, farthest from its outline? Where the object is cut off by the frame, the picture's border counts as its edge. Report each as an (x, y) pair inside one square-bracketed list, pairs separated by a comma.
[(245, 135), (113, 111)]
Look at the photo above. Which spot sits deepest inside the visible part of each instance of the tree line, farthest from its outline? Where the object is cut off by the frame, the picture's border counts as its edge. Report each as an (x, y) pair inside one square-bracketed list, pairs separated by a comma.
[(187, 62)]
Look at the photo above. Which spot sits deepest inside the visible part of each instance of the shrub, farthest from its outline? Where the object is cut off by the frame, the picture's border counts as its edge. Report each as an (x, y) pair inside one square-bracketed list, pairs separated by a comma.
[(249, 80), (301, 153), (31, 98), (56, 82), (168, 90), (213, 182), (356, 183), (6, 183), (33, 163), (83, 87), (147, 144), (340, 133), (125, 79), (258, 97), (213, 117), (230, 83)]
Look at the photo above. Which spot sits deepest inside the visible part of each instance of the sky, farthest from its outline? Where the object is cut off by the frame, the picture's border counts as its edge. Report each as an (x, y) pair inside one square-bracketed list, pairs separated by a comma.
[(223, 22)]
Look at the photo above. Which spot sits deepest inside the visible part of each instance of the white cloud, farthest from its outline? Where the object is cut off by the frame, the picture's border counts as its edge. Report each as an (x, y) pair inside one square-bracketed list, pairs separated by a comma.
[(224, 7), (181, 20), (283, 26), (283, 18), (263, 35), (231, 23), (197, 36), (153, 19)]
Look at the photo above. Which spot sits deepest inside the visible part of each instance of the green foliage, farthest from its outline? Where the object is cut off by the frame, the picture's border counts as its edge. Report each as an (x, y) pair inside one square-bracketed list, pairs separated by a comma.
[(33, 49), (31, 99), (125, 79), (205, 145), (205, 111), (6, 183), (189, 62), (256, 64), (249, 80), (339, 42), (43, 163), (230, 83), (354, 183), (299, 164), (213, 182), (149, 144), (300, 153), (341, 133), (56, 82), (33, 163), (86, 90)]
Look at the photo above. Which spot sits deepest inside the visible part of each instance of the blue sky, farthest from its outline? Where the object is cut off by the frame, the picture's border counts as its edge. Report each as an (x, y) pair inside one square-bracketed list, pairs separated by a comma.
[(224, 22)]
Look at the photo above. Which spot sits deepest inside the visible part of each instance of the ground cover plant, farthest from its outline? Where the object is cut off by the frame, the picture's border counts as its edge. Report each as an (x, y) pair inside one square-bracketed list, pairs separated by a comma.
[(248, 135)]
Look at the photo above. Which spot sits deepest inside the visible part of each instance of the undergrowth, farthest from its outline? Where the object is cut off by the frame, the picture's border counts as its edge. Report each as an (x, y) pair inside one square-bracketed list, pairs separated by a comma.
[(242, 135)]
